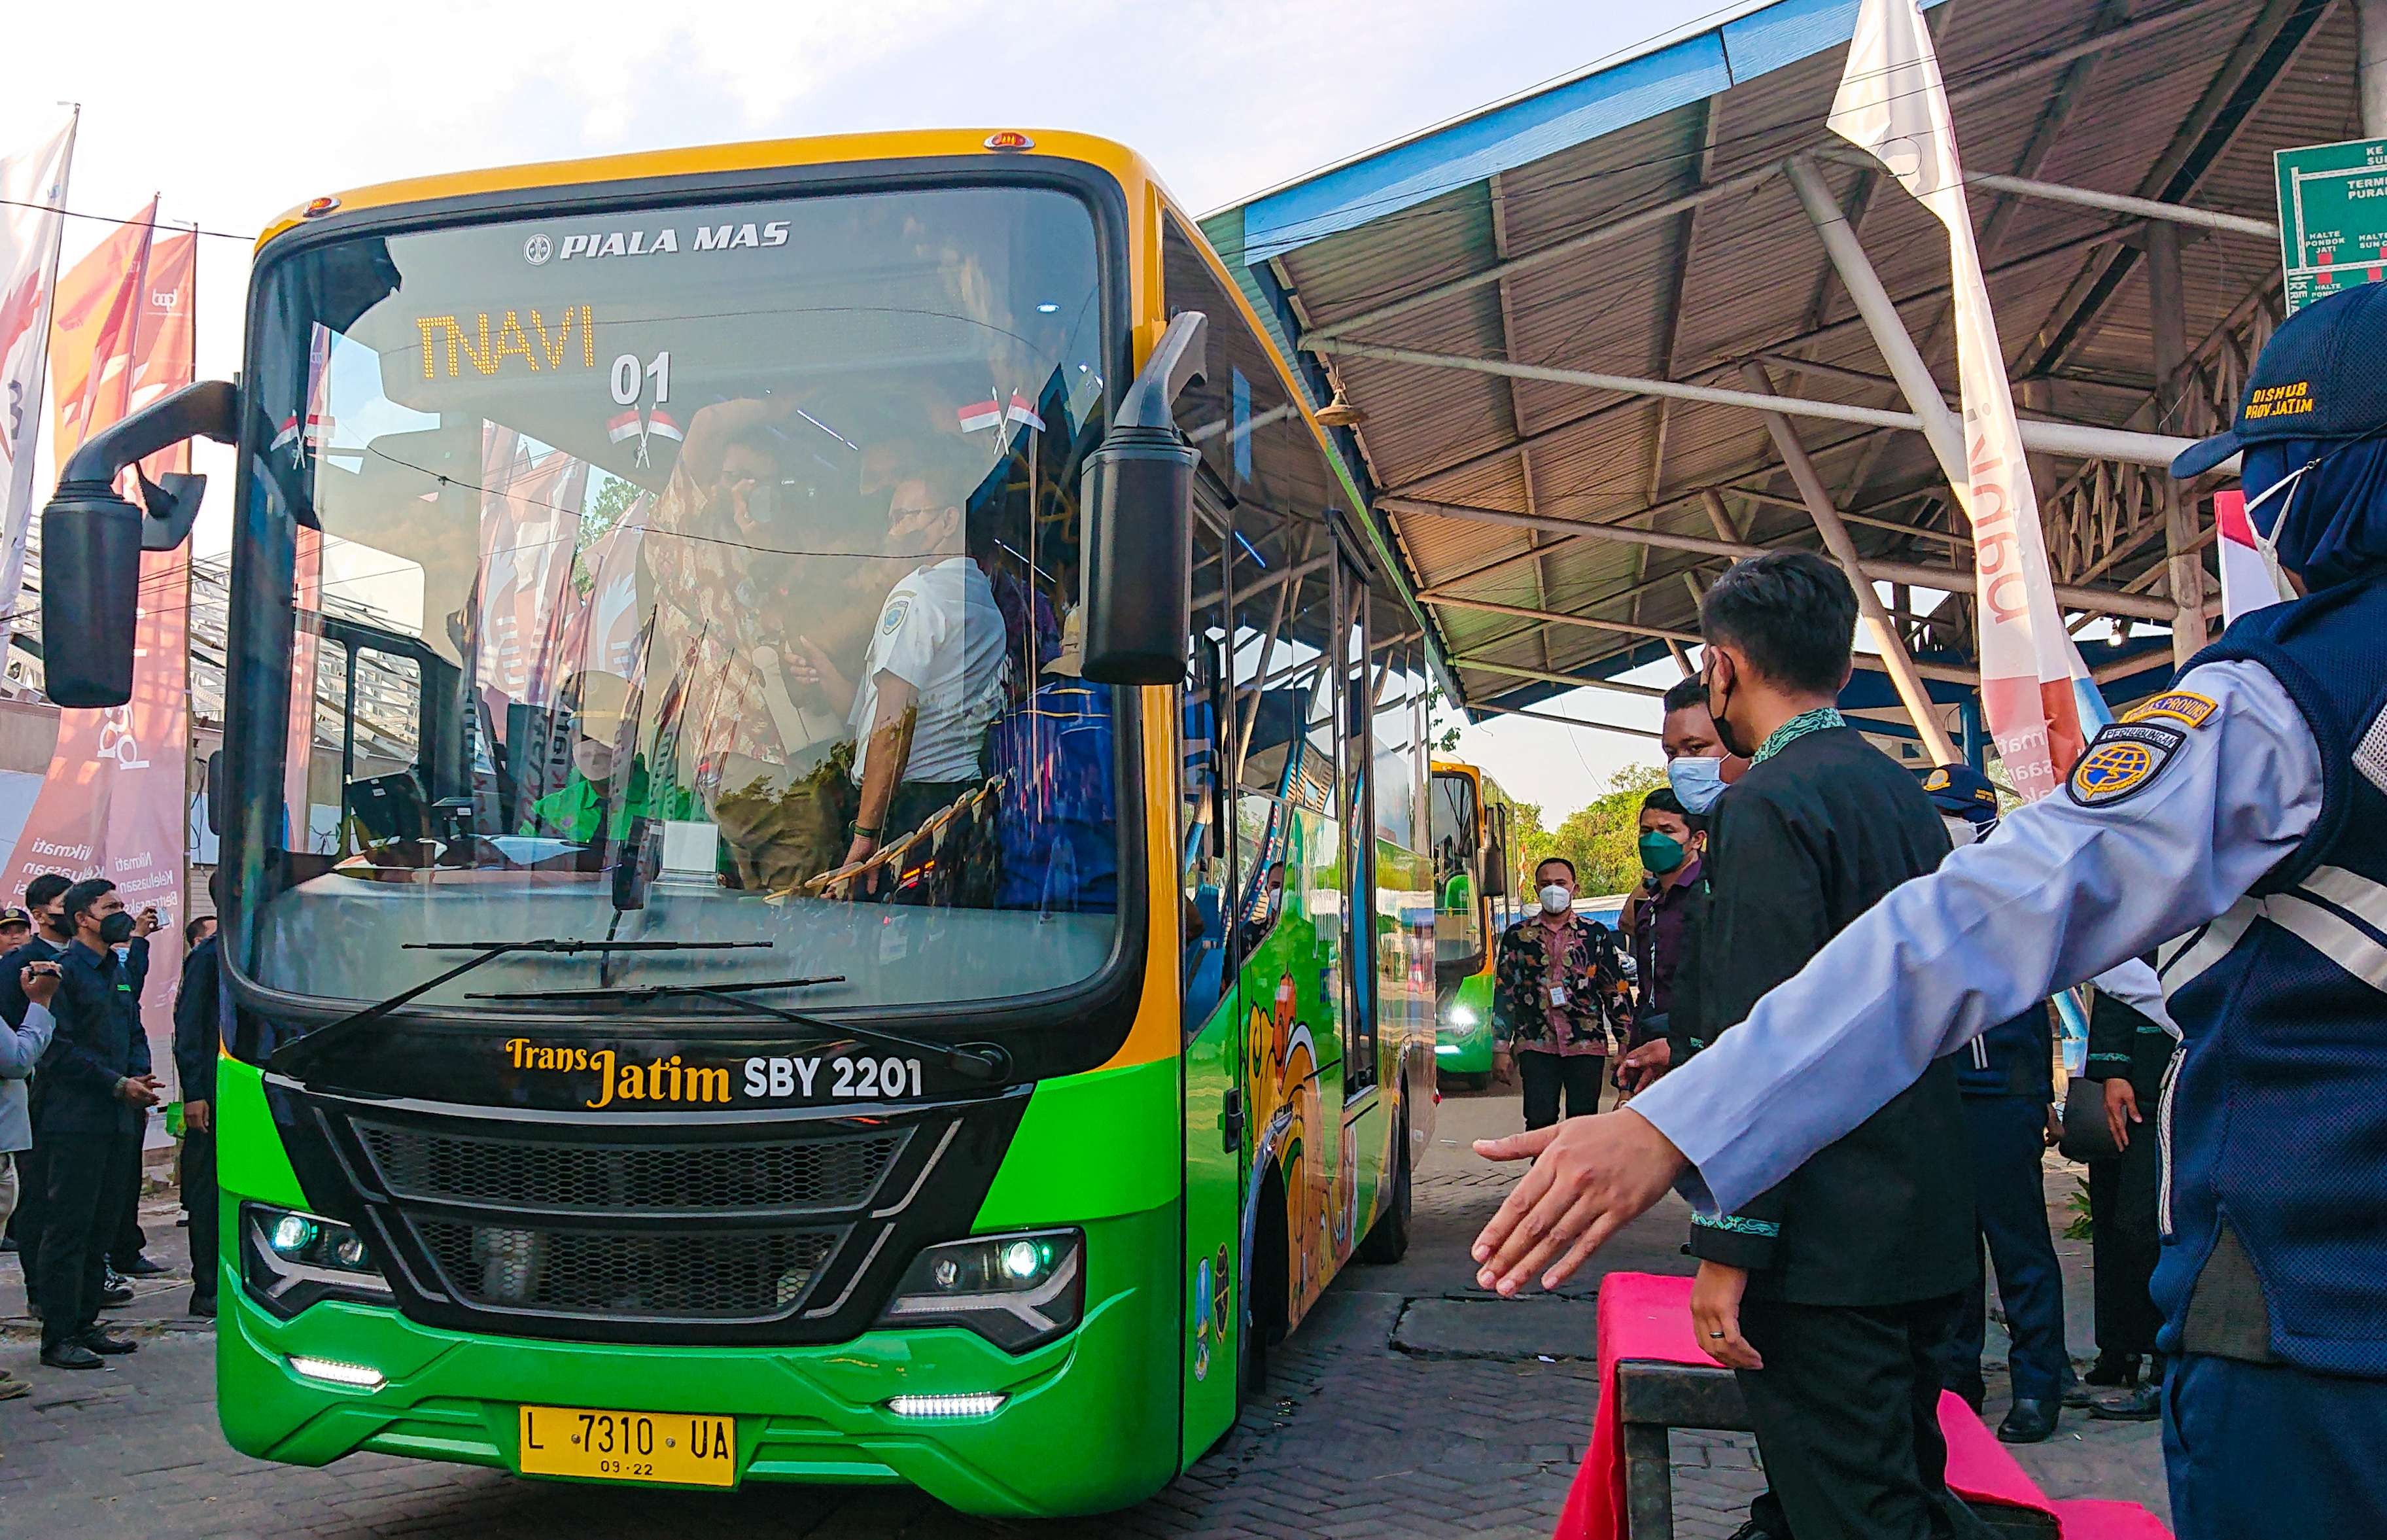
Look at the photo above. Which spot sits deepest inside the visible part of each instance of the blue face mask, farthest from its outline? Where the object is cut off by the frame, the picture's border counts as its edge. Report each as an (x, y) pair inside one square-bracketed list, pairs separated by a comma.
[(1699, 782)]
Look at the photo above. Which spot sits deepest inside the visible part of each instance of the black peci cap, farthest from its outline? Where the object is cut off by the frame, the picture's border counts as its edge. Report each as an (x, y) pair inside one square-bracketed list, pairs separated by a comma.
[(2318, 377)]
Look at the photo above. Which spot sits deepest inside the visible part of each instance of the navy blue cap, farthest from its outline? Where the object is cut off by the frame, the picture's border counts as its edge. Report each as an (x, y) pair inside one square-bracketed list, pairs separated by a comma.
[(1962, 791), (2318, 377)]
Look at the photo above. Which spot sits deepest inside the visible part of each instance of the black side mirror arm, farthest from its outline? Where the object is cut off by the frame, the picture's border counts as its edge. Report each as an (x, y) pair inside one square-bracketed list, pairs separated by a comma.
[(1181, 360), (210, 409)]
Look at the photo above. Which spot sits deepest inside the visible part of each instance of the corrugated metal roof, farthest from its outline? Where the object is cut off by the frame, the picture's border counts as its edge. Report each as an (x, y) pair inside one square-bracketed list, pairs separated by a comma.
[(2186, 107)]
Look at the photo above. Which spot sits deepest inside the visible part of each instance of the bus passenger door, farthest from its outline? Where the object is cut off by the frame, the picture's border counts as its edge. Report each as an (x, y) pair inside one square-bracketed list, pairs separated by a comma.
[(1217, 1101)]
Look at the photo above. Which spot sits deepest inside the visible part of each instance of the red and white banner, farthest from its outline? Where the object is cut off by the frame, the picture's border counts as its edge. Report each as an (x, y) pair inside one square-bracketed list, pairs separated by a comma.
[(307, 597), (600, 633), (530, 525), (115, 800), (2035, 689), (34, 187)]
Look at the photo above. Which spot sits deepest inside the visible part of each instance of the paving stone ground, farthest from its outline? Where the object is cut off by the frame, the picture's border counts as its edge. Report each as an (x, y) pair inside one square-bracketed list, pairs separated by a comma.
[(1410, 1404)]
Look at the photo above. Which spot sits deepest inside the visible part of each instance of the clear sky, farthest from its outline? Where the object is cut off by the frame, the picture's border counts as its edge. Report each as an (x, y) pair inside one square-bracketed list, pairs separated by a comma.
[(234, 113)]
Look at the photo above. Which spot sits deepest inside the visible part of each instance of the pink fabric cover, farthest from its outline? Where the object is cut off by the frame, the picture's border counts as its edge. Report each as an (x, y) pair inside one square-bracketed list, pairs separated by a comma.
[(1649, 1318)]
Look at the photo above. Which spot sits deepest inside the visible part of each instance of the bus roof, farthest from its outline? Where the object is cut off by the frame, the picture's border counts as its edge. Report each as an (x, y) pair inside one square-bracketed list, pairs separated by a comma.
[(1491, 792), (1132, 172)]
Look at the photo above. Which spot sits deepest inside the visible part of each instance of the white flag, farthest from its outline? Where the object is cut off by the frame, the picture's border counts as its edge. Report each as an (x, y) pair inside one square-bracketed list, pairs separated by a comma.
[(2035, 689), (34, 187)]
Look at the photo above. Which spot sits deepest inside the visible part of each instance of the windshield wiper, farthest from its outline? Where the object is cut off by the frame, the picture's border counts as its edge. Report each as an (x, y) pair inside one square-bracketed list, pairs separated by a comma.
[(294, 1056), (985, 1062), (642, 992)]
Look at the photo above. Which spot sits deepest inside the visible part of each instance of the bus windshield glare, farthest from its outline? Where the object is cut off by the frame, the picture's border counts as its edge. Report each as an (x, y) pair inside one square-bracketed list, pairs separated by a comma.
[(691, 573)]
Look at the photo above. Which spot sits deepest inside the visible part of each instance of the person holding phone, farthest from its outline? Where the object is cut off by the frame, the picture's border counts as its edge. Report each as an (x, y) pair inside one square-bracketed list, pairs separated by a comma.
[(97, 1090)]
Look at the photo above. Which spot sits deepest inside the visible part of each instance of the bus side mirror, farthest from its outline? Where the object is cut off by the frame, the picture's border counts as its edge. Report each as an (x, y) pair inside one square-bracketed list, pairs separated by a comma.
[(216, 797), (1496, 854), (1137, 578), (92, 541)]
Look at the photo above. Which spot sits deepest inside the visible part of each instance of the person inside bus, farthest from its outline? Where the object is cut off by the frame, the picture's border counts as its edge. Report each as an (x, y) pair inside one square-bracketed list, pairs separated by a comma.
[(577, 811), (1556, 970), (933, 679), (739, 612)]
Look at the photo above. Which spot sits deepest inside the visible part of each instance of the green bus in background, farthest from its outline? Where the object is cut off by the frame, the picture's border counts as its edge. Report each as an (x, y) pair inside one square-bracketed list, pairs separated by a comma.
[(1472, 839), (922, 1063)]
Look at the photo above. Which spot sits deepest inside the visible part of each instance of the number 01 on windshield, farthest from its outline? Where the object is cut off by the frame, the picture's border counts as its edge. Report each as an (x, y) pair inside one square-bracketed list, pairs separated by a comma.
[(677, 1449)]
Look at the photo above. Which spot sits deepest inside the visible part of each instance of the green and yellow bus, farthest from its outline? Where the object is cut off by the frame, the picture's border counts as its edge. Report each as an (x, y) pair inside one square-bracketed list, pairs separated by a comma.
[(824, 815), (1470, 834)]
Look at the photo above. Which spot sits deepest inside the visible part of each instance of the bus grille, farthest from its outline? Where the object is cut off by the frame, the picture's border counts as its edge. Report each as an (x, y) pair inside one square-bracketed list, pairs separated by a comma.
[(776, 1177), (729, 1274)]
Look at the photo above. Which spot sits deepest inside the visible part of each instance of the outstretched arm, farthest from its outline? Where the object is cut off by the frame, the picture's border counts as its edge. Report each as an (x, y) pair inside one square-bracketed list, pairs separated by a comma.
[(2061, 893)]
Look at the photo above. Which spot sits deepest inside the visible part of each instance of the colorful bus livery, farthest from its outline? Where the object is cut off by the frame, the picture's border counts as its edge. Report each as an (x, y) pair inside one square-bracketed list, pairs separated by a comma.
[(720, 990)]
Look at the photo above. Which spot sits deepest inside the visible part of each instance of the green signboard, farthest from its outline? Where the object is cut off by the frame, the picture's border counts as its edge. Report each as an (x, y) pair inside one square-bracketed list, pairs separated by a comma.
[(2332, 217)]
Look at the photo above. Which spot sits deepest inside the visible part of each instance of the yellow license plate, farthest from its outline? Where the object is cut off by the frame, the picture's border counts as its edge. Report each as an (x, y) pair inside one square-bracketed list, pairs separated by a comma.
[(680, 1447)]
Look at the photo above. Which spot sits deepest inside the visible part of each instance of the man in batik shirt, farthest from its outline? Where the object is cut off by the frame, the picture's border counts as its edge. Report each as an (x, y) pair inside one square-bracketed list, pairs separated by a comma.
[(1551, 987)]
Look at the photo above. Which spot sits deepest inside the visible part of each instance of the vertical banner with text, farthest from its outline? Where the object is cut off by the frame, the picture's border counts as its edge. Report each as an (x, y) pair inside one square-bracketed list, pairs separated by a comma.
[(2035, 689), (32, 196), (114, 801)]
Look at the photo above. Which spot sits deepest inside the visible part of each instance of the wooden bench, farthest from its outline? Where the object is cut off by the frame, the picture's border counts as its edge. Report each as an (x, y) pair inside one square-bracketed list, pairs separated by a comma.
[(1654, 1399)]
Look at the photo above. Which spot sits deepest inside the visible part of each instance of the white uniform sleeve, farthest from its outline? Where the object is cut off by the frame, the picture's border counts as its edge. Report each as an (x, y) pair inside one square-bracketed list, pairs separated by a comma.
[(2059, 894), (910, 628)]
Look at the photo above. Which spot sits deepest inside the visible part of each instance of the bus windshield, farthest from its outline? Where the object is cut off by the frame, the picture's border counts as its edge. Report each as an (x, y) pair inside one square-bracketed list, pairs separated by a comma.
[(694, 573)]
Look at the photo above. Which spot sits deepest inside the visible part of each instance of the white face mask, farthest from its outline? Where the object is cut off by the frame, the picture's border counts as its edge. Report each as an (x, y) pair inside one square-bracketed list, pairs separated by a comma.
[(1556, 900), (1960, 833)]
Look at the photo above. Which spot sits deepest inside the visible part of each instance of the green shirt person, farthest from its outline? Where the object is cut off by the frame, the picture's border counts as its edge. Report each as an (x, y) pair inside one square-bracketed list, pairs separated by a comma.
[(578, 809)]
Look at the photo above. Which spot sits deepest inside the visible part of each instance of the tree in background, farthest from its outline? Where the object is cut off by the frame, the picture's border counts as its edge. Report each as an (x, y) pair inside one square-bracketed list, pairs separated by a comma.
[(1601, 839)]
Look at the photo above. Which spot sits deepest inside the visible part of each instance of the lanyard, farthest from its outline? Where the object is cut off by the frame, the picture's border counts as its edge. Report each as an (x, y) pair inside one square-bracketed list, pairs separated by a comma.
[(1797, 727)]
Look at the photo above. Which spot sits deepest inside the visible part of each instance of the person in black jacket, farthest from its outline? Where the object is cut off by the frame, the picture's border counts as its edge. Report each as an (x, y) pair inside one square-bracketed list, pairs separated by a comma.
[(1833, 1293), (46, 896), (96, 1092), (2129, 1053), (198, 1033)]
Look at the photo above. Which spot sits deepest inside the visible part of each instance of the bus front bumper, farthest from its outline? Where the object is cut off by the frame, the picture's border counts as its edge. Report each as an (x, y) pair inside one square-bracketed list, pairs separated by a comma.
[(815, 1414)]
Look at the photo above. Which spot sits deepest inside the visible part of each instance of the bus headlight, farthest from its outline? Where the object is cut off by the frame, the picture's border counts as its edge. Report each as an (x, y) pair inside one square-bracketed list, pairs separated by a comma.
[(289, 1259), (1018, 1290)]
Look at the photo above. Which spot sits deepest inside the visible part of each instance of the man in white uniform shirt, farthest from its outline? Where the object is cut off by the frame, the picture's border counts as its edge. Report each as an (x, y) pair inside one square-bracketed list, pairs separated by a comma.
[(933, 681)]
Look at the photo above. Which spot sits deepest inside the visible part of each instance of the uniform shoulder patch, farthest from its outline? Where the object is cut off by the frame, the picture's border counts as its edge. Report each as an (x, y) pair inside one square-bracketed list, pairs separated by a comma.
[(2121, 762), (2185, 707), (893, 619)]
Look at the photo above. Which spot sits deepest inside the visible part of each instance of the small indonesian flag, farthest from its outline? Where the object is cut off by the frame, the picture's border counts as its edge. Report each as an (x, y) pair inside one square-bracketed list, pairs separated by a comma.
[(623, 428), (2247, 582), (980, 414), (658, 424), (319, 427), (1021, 410)]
